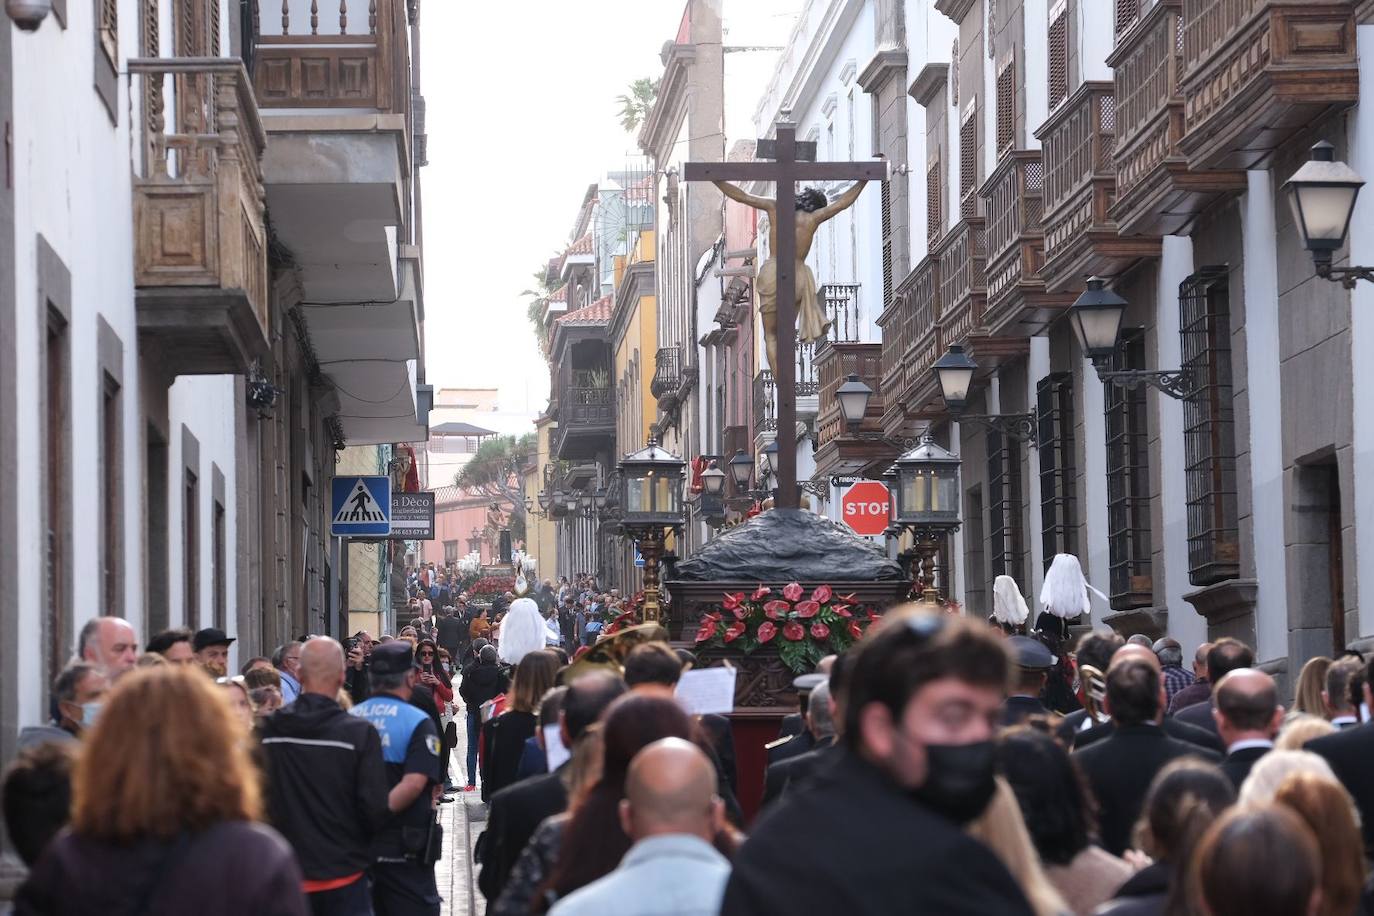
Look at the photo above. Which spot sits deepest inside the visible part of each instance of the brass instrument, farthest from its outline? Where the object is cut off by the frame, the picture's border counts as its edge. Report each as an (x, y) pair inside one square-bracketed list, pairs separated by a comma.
[(1094, 691), (609, 652)]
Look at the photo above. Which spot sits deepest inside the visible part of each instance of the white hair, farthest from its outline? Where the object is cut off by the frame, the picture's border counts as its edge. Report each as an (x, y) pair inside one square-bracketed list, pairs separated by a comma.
[(1273, 768)]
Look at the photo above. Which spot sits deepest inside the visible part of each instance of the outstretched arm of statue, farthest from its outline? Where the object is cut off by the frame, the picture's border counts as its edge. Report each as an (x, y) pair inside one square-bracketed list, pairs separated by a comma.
[(842, 202), (749, 200)]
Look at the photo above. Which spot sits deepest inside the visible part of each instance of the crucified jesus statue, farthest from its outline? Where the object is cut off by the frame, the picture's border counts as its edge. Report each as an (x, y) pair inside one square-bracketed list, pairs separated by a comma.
[(812, 210)]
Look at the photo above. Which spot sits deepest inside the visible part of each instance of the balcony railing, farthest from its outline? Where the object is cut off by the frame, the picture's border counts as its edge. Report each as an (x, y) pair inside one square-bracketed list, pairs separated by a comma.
[(910, 340), (765, 403), (1259, 71), (963, 280), (667, 371), (332, 55), (1014, 196), (1080, 184), (586, 407), (839, 362), (1155, 191), (198, 194), (841, 301)]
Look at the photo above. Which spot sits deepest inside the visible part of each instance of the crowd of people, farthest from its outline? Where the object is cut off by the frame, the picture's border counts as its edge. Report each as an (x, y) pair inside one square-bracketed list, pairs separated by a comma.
[(940, 765)]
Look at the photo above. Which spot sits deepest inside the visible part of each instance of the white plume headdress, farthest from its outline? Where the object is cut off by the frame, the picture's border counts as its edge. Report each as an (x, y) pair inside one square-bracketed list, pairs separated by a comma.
[(1065, 592), (1008, 604), (522, 631)]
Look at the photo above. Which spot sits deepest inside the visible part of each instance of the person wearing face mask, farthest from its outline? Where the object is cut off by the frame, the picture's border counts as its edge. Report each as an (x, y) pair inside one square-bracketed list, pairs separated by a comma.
[(79, 692), (915, 765)]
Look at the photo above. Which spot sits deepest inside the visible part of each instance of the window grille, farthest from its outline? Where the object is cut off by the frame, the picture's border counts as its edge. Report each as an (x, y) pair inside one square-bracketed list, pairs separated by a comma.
[(1006, 540), (1129, 543), (1209, 439), (1058, 498)]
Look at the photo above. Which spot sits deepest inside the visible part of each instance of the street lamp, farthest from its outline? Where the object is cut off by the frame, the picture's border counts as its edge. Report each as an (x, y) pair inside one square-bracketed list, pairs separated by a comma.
[(1322, 194), (651, 500), (28, 14), (1096, 318), (741, 469), (767, 460), (954, 374), (924, 491), (853, 395), (713, 480)]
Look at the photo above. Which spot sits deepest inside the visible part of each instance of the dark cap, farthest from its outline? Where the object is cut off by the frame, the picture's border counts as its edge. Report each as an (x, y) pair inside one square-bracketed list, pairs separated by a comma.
[(210, 636), (1030, 653), (395, 657)]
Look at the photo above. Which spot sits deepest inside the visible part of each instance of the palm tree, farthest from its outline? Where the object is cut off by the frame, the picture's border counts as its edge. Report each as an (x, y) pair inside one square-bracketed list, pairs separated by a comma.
[(635, 106), (534, 309)]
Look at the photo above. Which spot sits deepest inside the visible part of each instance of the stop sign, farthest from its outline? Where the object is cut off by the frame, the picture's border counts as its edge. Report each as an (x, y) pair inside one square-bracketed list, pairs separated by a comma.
[(864, 507)]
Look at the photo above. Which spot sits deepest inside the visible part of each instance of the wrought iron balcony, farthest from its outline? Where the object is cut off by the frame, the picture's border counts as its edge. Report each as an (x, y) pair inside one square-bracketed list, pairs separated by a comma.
[(1080, 184), (841, 303), (1156, 192), (765, 403), (356, 58), (1017, 304), (667, 371), (200, 256), (1258, 71)]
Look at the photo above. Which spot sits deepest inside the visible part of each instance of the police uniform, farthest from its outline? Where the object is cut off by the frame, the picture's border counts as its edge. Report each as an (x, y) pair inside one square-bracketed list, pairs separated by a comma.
[(1030, 655), (405, 850)]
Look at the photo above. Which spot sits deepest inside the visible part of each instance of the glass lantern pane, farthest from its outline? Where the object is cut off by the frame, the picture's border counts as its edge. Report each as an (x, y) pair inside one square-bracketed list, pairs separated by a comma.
[(637, 494), (1326, 210), (948, 494), (663, 494)]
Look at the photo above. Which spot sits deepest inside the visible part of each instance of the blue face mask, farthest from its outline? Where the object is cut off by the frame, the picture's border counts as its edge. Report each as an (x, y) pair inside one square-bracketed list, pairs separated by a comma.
[(89, 713)]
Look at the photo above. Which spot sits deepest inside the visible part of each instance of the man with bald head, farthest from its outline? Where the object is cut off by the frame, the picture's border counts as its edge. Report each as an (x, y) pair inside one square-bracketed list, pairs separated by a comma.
[(672, 813), (1248, 717), (110, 644), (327, 785)]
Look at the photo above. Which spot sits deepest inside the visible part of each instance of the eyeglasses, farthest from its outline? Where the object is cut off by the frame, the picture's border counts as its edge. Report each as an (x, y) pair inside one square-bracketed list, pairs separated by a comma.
[(426, 654)]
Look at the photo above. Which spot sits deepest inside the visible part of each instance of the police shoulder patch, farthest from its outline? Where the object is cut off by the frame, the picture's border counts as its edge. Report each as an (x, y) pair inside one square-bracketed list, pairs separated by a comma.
[(432, 744)]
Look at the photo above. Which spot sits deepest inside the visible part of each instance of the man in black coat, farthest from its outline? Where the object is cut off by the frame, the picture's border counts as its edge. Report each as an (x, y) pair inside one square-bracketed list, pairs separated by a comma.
[(820, 722), (1225, 656), (1179, 731), (1033, 662), (1120, 768), (517, 810), (879, 829), (1349, 752), (1095, 649), (452, 631), (1248, 717)]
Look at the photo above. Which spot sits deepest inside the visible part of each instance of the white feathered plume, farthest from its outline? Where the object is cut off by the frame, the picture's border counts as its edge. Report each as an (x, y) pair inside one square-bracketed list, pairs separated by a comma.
[(1008, 605)]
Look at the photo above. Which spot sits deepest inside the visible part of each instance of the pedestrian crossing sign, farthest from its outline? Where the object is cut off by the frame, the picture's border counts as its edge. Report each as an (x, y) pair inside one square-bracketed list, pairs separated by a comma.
[(362, 507)]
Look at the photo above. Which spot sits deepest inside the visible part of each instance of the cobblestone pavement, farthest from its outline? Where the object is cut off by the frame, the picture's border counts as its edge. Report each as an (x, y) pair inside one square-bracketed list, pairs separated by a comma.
[(462, 820)]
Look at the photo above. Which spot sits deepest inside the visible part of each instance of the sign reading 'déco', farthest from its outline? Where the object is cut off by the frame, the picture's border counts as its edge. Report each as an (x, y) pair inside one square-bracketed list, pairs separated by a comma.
[(864, 508), (412, 516)]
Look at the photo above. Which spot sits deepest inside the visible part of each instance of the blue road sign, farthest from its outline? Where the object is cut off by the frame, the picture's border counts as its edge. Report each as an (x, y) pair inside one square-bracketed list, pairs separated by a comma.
[(639, 558), (361, 507)]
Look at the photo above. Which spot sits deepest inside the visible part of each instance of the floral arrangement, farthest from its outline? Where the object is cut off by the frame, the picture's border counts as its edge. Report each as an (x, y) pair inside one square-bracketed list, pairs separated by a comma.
[(804, 629), (490, 586), (628, 616)]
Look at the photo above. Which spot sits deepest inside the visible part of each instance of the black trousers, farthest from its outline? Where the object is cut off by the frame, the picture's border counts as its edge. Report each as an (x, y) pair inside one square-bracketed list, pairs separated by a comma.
[(351, 900), (404, 889)]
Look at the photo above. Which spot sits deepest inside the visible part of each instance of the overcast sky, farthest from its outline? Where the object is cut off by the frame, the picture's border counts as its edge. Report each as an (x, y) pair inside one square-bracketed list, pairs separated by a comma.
[(521, 118)]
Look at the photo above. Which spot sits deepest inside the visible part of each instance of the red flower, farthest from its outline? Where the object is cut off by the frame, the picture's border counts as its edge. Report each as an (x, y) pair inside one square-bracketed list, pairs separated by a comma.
[(793, 631), (707, 630), (842, 610), (776, 608), (730, 602), (792, 591), (808, 609), (854, 630), (851, 598), (820, 630), (822, 594), (767, 630), (762, 592), (734, 631), (740, 613)]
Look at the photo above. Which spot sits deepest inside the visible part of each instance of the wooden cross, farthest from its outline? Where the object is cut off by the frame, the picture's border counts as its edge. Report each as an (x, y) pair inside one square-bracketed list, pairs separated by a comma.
[(792, 161)]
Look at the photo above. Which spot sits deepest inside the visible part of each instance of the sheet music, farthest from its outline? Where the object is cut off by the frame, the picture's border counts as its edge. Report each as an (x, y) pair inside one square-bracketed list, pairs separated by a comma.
[(707, 690)]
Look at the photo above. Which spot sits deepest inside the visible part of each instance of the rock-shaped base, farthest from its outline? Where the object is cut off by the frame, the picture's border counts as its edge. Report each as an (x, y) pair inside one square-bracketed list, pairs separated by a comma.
[(783, 545)]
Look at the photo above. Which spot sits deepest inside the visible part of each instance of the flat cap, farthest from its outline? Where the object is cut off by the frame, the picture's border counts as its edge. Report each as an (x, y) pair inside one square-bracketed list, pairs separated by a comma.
[(1030, 653), (395, 657), (808, 682)]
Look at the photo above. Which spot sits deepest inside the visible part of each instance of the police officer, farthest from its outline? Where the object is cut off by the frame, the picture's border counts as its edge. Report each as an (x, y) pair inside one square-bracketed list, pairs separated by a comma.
[(1033, 662), (795, 743), (407, 848)]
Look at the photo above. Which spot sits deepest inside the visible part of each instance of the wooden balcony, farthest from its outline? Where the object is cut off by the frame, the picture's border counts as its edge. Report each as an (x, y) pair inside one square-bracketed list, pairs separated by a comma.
[(1017, 304), (1258, 71), (1156, 192), (586, 423), (909, 353), (963, 279), (354, 58), (838, 452), (200, 244), (1081, 238)]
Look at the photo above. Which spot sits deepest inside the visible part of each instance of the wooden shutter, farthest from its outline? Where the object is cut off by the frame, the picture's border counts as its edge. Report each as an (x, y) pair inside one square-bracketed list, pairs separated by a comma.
[(968, 162), (887, 241), (1059, 55), (935, 185), (1127, 12), (954, 74), (109, 28), (1006, 107)]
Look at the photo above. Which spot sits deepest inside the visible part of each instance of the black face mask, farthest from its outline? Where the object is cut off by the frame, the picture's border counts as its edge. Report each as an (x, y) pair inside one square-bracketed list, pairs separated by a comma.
[(959, 780)]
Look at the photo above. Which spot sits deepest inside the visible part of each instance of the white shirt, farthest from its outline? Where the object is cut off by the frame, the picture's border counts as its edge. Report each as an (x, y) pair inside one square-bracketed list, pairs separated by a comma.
[(1249, 743)]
